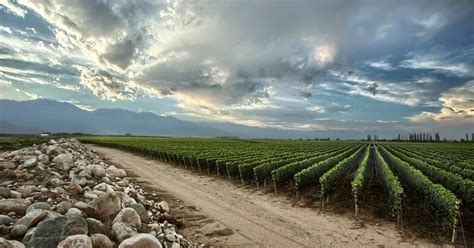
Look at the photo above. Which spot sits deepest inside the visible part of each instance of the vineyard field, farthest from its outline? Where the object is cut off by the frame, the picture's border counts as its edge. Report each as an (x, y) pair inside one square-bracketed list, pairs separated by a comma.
[(434, 179)]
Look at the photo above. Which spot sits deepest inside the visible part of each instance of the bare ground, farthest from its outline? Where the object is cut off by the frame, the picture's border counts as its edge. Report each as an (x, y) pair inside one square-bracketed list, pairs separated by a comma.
[(223, 213)]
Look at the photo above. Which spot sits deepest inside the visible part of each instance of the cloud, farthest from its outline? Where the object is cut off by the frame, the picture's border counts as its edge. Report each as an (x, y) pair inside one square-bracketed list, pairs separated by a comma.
[(32, 96), (13, 8), (104, 85), (230, 60), (381, 65), (457, 106), (331, 108), (306, 95), (6, 29), (407, 93), (437, 64)]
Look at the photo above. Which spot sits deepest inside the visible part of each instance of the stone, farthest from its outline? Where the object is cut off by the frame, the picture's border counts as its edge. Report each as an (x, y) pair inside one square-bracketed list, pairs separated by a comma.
[(104, 187), (142, 212), (56, 181), (81, 180), (90, 195), (106, 206), (63, 207), (123, 231), (27, 190), (95, 226), (6, 220), (26, 222), (16, 194), (74, 189), (7, 165), (30, 163), (101, 241), (98, 171), (76, 241), (65, 160), (5, 192), (73, 211), (39, 205), (163, 207), (18, 206), (81, 205), (112, 171), (142, 240), (43, 158), (4, 243), (175, 245), (128, 216)]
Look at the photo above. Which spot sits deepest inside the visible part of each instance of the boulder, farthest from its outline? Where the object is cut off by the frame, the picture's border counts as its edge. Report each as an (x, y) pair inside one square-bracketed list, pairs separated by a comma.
[(26, 222), (63, 207), (142, 212), (101, 241), (38, 205), (112, 171), (27, 190), (30, 163), (18, 206), (128, 216), (7, 165), (4, 243), (142, 240), (95, 226), (43, 158), (76, 241), (106, 206), (97, 170), (6, 220), (5, 192), (163, 207), (65, 161), (123, 231), (74, 189)]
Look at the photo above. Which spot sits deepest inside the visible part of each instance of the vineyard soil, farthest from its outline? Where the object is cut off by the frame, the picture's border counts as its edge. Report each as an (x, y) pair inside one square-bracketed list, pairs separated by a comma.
[(223, 213)]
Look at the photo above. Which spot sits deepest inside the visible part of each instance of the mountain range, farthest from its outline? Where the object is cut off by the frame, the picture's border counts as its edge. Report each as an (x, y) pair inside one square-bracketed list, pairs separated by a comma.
[(43, 115)]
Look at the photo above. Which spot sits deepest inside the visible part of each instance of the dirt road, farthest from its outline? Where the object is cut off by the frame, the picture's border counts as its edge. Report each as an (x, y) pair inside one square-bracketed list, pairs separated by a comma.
[(224, 213)]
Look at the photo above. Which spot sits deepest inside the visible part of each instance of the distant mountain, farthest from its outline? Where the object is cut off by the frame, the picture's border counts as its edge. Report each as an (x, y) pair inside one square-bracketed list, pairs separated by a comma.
[(8, 128), (43, 115)]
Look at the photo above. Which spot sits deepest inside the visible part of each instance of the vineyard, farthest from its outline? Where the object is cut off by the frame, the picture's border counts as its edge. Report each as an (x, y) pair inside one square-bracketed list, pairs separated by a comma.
[(437, 176)]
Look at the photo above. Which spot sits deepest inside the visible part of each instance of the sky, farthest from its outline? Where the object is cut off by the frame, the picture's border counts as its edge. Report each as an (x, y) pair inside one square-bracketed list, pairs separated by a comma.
[(388, 66)]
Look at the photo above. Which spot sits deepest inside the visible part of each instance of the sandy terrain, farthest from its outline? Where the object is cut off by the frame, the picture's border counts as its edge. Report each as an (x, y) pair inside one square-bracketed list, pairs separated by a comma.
[(223, 213)]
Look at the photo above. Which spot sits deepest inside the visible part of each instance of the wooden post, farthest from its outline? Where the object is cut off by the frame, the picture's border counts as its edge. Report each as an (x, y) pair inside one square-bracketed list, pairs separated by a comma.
[(356, 206), (455, 225)]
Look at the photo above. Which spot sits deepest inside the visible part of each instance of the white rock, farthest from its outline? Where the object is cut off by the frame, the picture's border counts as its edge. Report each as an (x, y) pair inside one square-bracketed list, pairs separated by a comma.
[(97, 170), (163, 207), (65, 160), (43, 158), (76, 241), (32, 162), (128, 216), (115, 172), (141, 240)]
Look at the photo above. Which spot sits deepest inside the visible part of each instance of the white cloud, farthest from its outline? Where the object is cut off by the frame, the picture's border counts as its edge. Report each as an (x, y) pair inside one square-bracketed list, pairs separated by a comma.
[(6, 29), (104, 85), (436, 63), (324, 55), (32, 96), (13, 8), (457, 106), (406, 93), (382, 65)]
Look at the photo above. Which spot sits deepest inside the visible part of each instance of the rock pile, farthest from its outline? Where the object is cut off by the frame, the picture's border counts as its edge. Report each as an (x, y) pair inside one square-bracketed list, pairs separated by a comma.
[(62, 194)]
